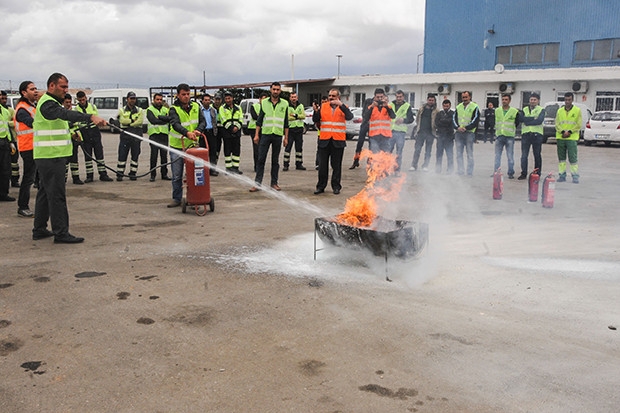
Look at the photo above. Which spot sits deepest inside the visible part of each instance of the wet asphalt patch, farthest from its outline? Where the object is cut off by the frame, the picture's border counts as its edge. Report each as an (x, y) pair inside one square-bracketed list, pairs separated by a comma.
[(89, 274)]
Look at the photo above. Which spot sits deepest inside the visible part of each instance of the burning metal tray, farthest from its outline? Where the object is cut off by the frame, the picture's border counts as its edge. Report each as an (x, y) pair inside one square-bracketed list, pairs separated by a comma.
[(398, 238)]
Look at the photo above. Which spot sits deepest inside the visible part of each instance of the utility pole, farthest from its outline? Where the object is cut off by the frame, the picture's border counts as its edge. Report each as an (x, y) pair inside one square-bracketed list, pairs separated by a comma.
[(339, 56), (418, 66)]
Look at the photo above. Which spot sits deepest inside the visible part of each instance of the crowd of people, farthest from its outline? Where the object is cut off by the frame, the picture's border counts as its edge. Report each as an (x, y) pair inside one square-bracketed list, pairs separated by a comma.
[(46, 131)]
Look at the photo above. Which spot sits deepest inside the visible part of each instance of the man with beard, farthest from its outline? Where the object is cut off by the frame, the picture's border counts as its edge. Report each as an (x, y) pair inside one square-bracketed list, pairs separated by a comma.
[(158, 119)]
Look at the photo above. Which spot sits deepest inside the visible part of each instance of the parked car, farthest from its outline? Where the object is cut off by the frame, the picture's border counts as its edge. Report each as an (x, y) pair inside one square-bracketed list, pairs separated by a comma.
[(353, 125), (109, 101), (245, 105), (551, 109), (308, 122), (603, 127)]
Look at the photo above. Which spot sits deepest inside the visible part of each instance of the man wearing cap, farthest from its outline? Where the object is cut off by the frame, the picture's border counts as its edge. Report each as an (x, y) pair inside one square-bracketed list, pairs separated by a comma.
[(231, 117), (532, 118), (92, 141), (130, 117)]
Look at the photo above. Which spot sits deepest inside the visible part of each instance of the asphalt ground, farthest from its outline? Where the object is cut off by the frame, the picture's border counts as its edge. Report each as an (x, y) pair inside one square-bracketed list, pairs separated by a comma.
[(512, 307)]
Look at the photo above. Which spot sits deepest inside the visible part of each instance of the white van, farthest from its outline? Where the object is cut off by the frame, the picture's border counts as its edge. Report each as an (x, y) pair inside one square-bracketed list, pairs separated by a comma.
[(109, 101), (551, 109), (12, 100), (245, 108)]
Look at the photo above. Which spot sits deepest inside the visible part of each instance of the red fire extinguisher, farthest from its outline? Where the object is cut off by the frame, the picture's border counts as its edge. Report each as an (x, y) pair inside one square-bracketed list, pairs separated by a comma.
[(498, 184), (548, 191), (532, 186)]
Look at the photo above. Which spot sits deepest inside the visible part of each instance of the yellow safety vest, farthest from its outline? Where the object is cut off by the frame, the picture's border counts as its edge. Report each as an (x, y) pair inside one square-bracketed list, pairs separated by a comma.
[(505, 122)]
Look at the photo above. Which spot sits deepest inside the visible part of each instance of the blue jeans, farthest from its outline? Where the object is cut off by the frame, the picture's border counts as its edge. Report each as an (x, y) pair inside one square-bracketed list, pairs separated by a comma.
[(423, 139), (177, 175), (464, 140), (398, 142), (509, 143)]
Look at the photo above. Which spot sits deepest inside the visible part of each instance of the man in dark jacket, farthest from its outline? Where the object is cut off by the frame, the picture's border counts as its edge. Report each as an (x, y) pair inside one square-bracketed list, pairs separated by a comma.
[(445, 136)]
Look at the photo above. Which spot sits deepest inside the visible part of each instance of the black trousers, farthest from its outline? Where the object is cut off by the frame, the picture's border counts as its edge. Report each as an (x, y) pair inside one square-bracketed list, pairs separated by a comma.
[(30, 170), (161, 153), (212, 145), (5, 170), (264, 143), (51, 203), (92, 144), (330, 154), (295, 137)]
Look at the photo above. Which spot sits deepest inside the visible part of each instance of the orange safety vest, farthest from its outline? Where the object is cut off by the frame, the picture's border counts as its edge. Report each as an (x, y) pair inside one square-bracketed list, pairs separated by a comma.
[(380, 123), (333, 123), (25, 134)]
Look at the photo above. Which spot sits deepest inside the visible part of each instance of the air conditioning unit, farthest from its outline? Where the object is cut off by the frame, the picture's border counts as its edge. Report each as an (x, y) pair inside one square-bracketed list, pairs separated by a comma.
[(389, 89), (444, 89), (507, 87), (580, 87), (345, 90)]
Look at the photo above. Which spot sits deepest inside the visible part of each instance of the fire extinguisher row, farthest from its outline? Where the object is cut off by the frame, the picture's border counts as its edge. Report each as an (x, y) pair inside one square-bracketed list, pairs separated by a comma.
[(548, 187)]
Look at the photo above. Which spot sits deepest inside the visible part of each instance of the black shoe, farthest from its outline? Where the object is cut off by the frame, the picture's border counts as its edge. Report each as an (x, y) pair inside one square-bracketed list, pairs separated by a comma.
[(356, 163), (237, 171), (522, 177), (133, 177), (285, 168), (319, 191), (562, 178), (336, 191), (26, 213), (77, 181), (211, 172), (300, 168), (41, 234), (67, 239), (511, 176), (152, 179), (15, 184), (105, 178), (166, 178), (88, 180), (119, 178), (7, 198)]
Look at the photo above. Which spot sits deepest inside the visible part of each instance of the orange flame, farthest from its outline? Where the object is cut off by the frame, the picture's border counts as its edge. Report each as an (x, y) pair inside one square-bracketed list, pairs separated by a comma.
[(361, 210)]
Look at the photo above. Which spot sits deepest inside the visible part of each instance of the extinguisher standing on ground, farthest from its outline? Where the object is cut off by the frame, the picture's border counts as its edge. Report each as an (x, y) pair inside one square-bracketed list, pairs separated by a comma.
[(498, 184), (532, 185), (548, 191)]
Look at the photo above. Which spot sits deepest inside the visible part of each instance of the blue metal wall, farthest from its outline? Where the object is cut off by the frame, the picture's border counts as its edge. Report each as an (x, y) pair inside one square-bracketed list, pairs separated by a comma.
[(457, 38)]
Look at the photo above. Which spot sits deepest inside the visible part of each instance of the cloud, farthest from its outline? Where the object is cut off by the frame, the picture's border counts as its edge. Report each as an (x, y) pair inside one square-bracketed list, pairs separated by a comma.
[(160, 42)]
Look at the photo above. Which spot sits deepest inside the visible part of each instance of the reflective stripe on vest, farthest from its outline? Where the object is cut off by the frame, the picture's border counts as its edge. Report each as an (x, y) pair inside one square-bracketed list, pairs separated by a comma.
[(91, 110), (401, 113), (466, 114), (532, 128), (252, 122), (273, 120), (155, 129), (333, 123), (300, 111), (52, 138), (189, 121), (505, 122), (25, 133), (380, 123), (230, 116), (570, 121)]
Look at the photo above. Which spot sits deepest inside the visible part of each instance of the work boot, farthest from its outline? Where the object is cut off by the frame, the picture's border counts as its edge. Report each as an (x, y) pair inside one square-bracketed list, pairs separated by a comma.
[(575, 179), (562, 178), (522, 177), (152, 179), (300, 167), (15, 182), (105, 178), (132, 176), (77, 181), (89, 178), (285, 167)]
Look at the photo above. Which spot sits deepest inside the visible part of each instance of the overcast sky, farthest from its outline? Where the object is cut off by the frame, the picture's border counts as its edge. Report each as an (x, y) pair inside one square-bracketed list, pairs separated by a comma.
[(165, 42)]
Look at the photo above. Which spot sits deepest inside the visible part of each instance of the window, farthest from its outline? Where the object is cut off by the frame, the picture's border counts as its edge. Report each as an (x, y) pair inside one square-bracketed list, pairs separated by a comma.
[(528, 54), (359, 99), (603, 50), (314, 98), (607, 101), (106, 103)]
